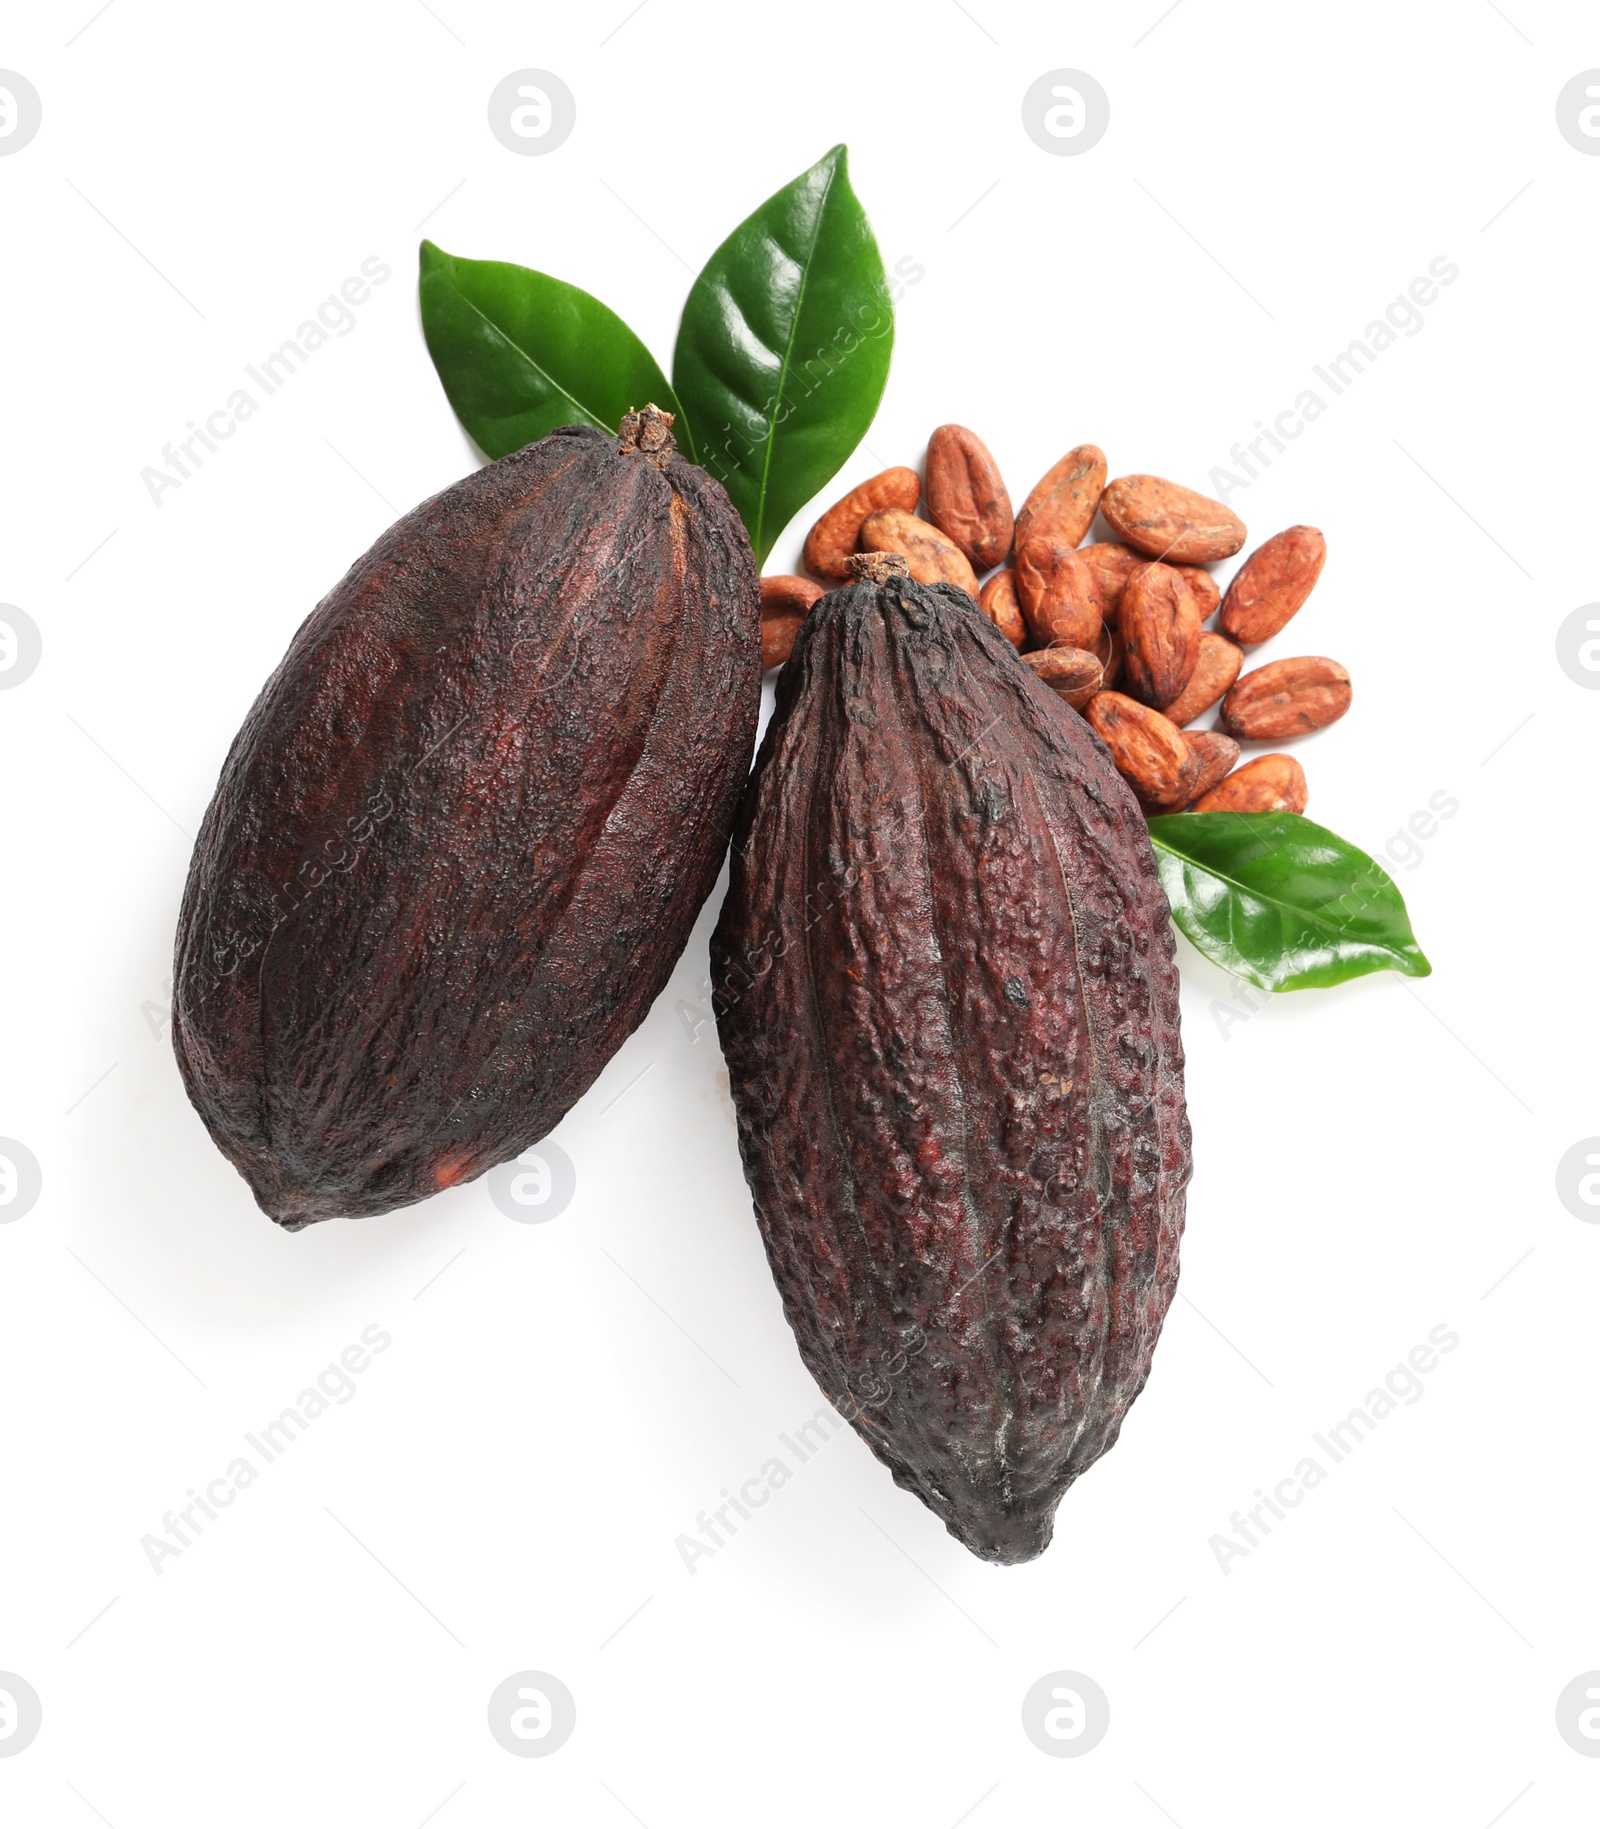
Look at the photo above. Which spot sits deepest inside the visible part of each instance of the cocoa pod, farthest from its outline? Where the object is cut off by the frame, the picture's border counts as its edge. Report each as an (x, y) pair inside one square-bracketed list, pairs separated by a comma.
[(1110, 565), (1160, 627), (785, 600), (967, 499), (1150, 754), (1272, 584), (1268, 784), (998, 600), (945, 988), (1061, 505), (834, 537), (1216, 667), (1286, 698), (1207, 592), (1170, 522), (1071, 672), (1217, 755), (931, 558), (1057, 594), (461, 840)]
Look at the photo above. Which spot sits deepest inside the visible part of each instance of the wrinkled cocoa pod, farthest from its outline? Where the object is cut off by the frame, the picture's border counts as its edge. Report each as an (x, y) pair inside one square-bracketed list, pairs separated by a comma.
[(1110, 565), (1286, 698), (1150, 754), (1269, 784), (1217, 755), (1057, 595), (1216, 667), (945, 988), (1061, 505), (1272, 584), (1160, 627), (832, 540), (967, 498), (1070, 672), (1170, 522), (998, 600), (932, 558), (463, 835)]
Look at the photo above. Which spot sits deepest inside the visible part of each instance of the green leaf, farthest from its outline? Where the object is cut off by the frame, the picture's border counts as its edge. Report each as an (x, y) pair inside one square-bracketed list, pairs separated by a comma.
[(1282, 902), (520, 353), (784, 348)]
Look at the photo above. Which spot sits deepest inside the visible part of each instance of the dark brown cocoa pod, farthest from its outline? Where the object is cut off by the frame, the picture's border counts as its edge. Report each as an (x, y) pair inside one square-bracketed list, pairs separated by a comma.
[(463, 835), (945, 988)]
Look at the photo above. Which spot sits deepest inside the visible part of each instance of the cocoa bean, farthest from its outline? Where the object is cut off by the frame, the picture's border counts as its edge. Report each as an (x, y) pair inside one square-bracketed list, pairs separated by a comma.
[(967, 497), (1286, 698), (1150, 754), (1057, 594), (832, 540), (1169, 522), (783, 594), (1061, 505), (1160, 627), (1266, 785), (462, 838), (1207, 592), (1109, 652), (998, 600), (1110, 565), (778, 635), (1076, 675), (1217, 755), (930, 557), (945, 989), (1216, 667), (1272, 584)]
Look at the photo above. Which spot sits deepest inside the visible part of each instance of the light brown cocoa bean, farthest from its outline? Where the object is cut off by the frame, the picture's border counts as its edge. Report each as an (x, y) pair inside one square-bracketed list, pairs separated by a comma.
[(1170, 522), (1269, 784), (1286, 698), (1216, 667), (1217, 755), (998, 600), (1073, 672), (1160, 627), (930, 557), (1207, 592), (1150, 754), (1110, 564), (783, 594), (1061, 505), (1109, 652), (831, 542), (1272, 584), (778, 635), (967, 498), (1056, 591)]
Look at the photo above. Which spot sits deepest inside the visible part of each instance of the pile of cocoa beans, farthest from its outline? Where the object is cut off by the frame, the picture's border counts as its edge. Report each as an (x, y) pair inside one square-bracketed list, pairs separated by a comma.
[(1116, 627)]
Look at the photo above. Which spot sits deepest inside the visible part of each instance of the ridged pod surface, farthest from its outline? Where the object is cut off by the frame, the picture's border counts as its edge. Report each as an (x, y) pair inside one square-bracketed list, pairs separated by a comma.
[(465, 830), (945, 988)]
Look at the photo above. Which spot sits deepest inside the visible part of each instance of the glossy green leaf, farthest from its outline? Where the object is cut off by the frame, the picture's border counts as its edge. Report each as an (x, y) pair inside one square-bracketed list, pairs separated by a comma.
[(783, 351), (520, 353), (1282, 902)]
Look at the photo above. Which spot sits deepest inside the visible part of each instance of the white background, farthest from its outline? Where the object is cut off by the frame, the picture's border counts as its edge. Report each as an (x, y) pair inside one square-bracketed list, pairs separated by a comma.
[(560, 1400)]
